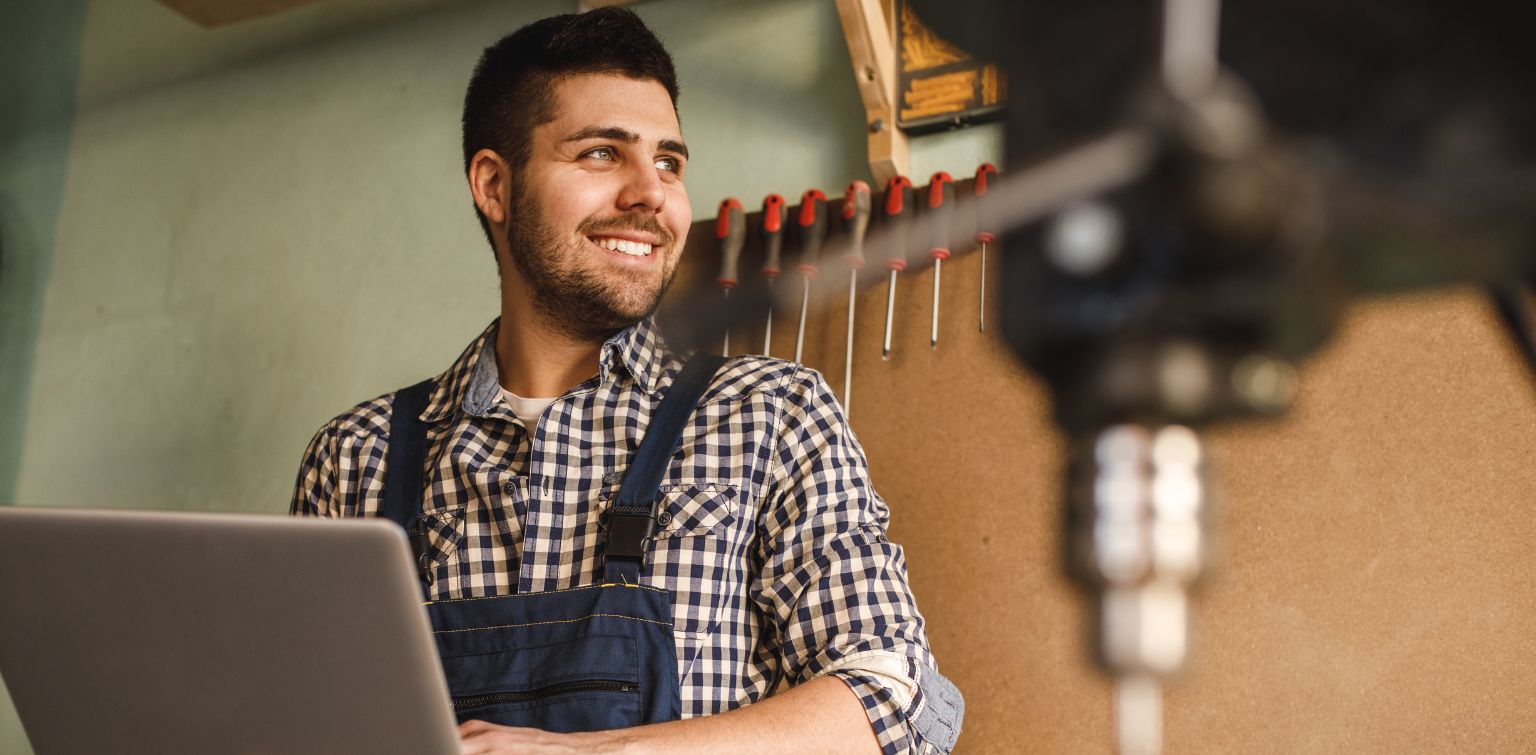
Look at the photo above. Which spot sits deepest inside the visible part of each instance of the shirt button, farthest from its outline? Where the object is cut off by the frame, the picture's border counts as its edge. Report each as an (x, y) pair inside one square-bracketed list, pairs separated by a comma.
[(664, 518), (509, 487)]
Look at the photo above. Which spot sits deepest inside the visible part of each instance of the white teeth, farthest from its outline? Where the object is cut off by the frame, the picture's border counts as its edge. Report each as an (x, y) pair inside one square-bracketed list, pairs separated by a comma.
[(631, 248)]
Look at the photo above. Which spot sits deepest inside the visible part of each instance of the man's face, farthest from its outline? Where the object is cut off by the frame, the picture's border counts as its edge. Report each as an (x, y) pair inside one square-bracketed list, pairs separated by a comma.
[(599, 214)]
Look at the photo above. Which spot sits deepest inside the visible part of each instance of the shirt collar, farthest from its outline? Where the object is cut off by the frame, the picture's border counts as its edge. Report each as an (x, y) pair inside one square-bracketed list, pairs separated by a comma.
[(473, 381), (639, 350)]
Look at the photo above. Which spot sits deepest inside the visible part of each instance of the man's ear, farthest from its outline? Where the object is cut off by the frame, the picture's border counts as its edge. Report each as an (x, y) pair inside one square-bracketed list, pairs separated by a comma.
[(490, 181)]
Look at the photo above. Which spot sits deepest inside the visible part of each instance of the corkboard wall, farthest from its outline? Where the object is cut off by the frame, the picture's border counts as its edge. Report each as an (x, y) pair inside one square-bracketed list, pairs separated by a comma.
[(1377, 579)]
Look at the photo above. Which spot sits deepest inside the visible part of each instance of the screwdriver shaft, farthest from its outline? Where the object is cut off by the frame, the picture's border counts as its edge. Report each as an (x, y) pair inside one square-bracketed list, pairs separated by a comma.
[(933, 332), (805, 304), (768, 334), (725, 350), (853, 292), (982, 318), (890, 314)]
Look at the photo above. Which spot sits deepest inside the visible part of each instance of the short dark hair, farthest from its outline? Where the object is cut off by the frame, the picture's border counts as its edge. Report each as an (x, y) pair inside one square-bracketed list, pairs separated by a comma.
[(512, 89)]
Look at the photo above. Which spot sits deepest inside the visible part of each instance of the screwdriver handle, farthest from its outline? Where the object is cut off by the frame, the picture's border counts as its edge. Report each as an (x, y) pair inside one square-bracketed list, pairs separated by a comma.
[(775, 215), (941, 200), (898, 207), (731, 231), (985, 227), (813, 230), (856, 209)]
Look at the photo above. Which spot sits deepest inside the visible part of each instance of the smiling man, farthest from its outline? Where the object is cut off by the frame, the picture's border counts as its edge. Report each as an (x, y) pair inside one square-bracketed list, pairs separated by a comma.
[(620, 542)]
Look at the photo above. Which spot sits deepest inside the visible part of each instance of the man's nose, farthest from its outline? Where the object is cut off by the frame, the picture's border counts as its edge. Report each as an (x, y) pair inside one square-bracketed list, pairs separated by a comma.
[(642, 189)]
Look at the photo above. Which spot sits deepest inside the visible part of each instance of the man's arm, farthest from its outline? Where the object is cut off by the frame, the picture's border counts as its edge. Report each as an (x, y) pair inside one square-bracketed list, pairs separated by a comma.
[(835, 588), (819, 716)]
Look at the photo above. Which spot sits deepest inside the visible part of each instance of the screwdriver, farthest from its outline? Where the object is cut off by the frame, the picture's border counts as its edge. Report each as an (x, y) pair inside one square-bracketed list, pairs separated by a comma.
[(813, 230), (898, 201), (731, 231), (774, 216), (983, 234), (856, 220), (941, 197)]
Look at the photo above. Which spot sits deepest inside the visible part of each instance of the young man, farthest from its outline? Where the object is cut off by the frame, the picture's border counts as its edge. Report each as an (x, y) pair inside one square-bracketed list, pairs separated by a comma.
[(755, 581)]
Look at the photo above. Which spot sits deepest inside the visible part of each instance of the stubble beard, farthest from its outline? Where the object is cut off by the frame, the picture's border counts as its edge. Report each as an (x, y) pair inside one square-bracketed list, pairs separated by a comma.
[(574, 298)]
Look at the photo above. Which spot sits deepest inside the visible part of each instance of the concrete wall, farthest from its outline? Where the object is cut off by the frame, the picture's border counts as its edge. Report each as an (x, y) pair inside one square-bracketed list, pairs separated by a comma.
[(251, 237)]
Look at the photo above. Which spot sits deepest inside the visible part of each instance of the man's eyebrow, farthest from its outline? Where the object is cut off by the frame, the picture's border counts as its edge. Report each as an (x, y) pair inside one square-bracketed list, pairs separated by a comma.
[(604, 132), (673, 145), (628, 137)]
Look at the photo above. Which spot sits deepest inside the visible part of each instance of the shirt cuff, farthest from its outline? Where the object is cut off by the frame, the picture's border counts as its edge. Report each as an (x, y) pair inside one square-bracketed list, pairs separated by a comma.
[(913, 711)]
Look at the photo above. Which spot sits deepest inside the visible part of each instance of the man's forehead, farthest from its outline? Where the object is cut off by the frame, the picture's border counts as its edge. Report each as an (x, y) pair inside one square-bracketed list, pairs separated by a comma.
[(600, 100)]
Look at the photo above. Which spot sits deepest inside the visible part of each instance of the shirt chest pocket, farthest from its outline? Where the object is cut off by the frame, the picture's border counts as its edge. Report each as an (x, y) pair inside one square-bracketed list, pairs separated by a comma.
[(697, 553)]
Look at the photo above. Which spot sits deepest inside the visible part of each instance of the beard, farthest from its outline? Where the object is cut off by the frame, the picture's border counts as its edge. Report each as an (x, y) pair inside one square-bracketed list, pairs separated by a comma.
[(582, 300)]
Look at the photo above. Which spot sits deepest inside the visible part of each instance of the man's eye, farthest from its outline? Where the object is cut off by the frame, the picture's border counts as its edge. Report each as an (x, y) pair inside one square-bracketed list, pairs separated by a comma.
[(671, 164), (601, 153)]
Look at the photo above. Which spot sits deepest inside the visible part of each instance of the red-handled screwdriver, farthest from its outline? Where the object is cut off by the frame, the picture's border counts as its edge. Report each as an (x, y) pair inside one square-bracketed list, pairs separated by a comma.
[(898, 207), (856, 220), (813, 230), (983, 233), (731, 231), (775, 213), (941, 198)]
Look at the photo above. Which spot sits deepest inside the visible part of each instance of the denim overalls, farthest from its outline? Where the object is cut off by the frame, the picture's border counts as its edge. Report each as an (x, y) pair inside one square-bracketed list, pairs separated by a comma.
[(582, 659)]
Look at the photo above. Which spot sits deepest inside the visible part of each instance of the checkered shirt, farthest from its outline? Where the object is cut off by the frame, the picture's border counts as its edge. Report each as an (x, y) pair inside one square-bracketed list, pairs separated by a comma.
[(770, 536)]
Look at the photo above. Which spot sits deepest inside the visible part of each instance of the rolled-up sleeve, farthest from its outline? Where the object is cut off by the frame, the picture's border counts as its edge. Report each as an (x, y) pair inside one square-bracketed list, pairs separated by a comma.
[(834, 588)]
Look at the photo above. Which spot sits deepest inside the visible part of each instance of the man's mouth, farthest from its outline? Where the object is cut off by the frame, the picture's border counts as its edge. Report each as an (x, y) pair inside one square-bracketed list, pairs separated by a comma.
[(623, 246)]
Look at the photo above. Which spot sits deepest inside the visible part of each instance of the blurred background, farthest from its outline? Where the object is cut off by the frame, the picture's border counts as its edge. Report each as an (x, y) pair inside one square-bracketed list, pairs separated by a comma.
[(204, 232)]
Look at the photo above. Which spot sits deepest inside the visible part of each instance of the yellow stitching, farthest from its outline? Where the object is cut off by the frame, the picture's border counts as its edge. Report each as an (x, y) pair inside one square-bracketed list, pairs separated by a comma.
[(557, 621), (546, 592)]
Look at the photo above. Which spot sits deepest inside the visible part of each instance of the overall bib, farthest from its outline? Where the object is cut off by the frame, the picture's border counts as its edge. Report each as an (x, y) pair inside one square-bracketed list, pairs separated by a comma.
[(583, 659)]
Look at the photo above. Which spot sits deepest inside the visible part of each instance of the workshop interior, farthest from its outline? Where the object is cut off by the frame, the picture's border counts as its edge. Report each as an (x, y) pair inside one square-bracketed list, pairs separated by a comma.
[(1189, 342)]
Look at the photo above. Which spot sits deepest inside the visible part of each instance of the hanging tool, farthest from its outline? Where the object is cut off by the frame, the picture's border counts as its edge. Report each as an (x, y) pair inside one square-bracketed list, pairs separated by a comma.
[(813, 230), (898, 206), (984, 226), (775, 214), (856, 221), (731, 231), (941, 198)]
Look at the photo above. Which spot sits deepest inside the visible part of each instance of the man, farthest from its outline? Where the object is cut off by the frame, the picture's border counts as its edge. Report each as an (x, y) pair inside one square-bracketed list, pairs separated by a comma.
[(782, 605)]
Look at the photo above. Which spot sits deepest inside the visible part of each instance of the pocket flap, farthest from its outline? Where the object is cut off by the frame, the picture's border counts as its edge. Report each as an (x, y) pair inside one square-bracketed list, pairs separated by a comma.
[(695, 509)]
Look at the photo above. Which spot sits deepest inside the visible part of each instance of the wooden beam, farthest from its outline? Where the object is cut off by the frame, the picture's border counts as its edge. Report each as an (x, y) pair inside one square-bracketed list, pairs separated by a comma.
[(872, 47), (213, 13)]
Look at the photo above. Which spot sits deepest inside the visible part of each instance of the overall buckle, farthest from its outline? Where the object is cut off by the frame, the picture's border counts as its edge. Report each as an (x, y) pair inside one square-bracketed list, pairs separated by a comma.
[(629, 535)]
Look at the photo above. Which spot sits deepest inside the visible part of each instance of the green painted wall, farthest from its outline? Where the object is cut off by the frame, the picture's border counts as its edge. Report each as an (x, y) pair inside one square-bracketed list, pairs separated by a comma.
[(231, 241), (39, 52)]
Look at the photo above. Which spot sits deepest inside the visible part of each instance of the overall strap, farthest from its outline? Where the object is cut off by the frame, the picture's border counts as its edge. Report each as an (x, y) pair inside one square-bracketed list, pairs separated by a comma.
[(403, 475), (632, 519)]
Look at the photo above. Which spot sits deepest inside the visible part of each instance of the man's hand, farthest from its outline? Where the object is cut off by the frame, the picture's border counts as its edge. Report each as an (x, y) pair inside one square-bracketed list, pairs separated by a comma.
[(483, 738), (822, 716)]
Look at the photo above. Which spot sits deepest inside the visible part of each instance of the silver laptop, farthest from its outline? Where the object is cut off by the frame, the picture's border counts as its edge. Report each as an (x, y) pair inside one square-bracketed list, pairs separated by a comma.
[(148, 632)]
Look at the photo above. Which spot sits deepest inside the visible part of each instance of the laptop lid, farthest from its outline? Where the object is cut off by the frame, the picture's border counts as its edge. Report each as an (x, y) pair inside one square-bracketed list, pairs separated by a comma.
[(156, 632)]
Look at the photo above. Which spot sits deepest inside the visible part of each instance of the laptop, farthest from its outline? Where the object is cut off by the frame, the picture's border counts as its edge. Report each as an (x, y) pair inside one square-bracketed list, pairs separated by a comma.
[(160, 632)]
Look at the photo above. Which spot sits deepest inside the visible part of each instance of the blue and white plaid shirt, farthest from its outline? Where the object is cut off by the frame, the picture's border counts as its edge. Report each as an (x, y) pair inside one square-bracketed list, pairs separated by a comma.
[(769, 534)]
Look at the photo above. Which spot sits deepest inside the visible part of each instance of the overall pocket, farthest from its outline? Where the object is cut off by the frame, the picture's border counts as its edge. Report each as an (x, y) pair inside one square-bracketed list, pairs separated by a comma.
[(589, 683), (584, 659)]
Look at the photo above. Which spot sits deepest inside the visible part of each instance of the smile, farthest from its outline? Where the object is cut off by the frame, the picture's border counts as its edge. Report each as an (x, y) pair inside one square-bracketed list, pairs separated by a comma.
[(623, 246)]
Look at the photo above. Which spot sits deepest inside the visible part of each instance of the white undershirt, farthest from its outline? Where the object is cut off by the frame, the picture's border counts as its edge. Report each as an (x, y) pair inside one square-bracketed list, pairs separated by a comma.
[(528, 410)]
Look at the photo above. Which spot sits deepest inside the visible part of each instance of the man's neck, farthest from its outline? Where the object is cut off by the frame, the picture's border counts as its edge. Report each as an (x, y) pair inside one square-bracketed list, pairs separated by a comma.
[(536, 360)]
